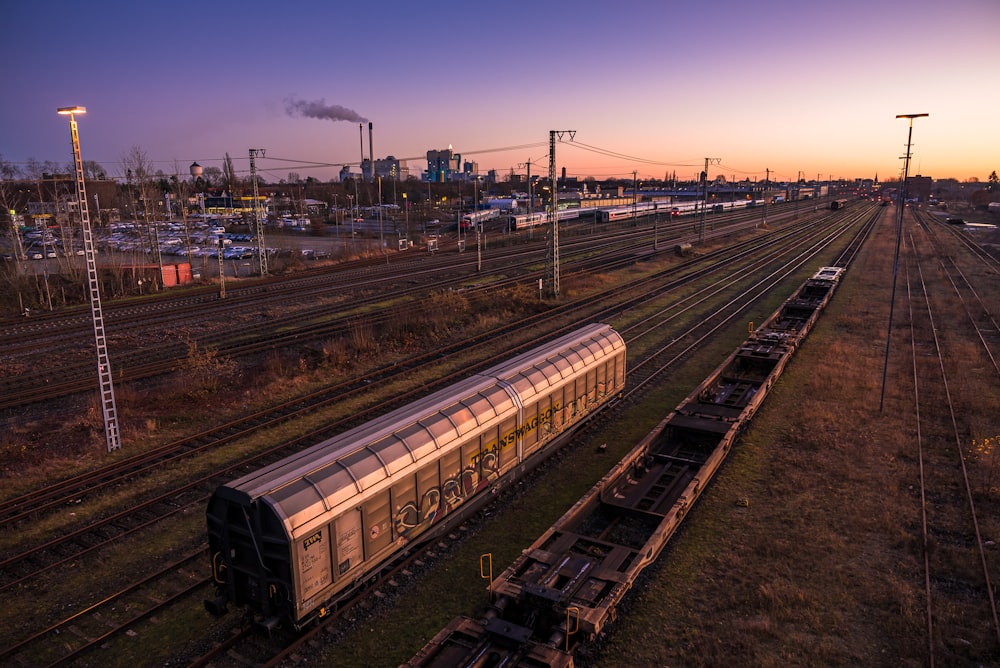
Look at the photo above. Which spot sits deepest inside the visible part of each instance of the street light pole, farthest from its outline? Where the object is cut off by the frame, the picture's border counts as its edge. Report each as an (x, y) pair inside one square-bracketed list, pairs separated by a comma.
[(901, 206), (381, 237), (109, 409), (406, 217), (635, 195), (350, 199)]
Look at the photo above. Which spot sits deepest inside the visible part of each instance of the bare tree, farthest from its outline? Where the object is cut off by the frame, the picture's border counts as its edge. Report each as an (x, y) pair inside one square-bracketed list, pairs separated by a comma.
[(92, 170), (35, 170), (11, 196), (140, 174), (183, 190), (230, 181), (212, 176)]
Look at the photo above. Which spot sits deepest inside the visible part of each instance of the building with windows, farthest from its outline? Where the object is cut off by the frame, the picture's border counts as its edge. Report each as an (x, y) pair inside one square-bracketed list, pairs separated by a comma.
[(392, 168), (346, 173), (442, 166)]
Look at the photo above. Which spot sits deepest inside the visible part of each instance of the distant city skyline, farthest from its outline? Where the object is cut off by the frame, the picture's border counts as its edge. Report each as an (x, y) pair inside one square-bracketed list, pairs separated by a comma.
[(787, 86)]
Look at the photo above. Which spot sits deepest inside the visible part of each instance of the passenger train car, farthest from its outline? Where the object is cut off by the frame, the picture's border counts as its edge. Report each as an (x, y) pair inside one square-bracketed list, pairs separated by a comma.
[(525, 220), (292, 538), (477, 218), (630, 211), (565, 588)]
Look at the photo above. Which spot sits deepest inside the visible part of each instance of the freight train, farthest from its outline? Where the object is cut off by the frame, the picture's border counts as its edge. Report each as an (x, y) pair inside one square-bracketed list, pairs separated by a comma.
[(290, 540), (565, 589)]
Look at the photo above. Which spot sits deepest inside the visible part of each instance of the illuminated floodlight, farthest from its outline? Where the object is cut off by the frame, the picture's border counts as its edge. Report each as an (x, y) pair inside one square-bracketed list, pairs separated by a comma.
[(69, 111)]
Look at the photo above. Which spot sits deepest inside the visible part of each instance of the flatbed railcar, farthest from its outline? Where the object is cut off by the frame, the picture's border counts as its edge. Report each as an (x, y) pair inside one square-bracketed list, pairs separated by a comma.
[(563, 590), (292, 539)]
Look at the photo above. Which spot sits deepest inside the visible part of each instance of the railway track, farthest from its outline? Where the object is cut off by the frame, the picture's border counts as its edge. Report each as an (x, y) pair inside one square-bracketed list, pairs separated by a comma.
[(194, 504), (15, 510), (960, 577), (279, 314), (725, 314), (84, 630), (563, 591)]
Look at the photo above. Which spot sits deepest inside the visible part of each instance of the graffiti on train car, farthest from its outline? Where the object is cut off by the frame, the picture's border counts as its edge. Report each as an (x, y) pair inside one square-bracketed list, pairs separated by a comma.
[(525, 428), (483, 468)]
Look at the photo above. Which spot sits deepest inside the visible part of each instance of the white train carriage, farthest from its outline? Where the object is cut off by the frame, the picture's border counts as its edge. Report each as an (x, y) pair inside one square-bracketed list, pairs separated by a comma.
[(627, 212), (525, 220), (477, 218), (294, 537)]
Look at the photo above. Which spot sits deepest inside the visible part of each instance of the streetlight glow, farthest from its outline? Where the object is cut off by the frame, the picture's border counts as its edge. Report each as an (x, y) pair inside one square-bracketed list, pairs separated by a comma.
[(69, 111)]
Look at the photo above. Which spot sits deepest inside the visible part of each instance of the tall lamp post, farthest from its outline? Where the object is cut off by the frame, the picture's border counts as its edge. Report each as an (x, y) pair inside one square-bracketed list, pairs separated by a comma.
[(108, 407), (901, 206)]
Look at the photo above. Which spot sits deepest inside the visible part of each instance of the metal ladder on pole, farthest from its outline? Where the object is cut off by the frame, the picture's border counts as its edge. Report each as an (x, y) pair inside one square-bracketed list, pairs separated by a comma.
[(103, 363), (258, 219)]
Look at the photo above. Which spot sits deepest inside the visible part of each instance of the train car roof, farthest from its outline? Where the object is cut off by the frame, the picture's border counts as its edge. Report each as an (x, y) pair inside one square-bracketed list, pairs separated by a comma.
[(340, 467)]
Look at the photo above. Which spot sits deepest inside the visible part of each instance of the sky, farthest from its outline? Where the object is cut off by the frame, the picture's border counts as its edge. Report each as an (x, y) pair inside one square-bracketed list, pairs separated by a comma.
[(806, 88)]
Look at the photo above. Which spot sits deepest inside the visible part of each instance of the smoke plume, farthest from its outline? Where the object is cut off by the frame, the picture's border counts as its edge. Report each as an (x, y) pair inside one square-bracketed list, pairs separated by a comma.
[(320, 109)]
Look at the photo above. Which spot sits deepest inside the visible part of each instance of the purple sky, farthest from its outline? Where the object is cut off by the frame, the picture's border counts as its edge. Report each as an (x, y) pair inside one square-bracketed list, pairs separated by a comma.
[(648, 87)]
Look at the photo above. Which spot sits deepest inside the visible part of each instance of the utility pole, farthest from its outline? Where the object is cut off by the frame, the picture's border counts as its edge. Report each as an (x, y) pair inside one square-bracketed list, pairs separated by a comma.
[(479, 229), (258, 221), (552, 257), (767, 186), (798, 191), (531, 196), (635, 194), (900, 207), (222, 268), (704, 204)]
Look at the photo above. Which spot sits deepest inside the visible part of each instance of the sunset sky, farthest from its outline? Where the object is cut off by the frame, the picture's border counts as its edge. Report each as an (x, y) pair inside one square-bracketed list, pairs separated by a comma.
[(652, 87)]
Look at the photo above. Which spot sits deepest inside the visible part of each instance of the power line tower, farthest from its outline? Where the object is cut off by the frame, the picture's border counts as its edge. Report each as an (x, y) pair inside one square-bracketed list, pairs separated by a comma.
[(108, 407), (552, 257), (531, 195), (704, 204), (258, 219)]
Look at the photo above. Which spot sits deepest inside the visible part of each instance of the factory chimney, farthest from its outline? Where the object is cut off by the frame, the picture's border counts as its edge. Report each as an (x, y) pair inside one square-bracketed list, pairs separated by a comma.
[(371, 149)]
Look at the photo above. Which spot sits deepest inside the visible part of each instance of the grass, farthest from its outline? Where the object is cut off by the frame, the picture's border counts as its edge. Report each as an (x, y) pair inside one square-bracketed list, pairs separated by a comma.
[(823, 567)]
